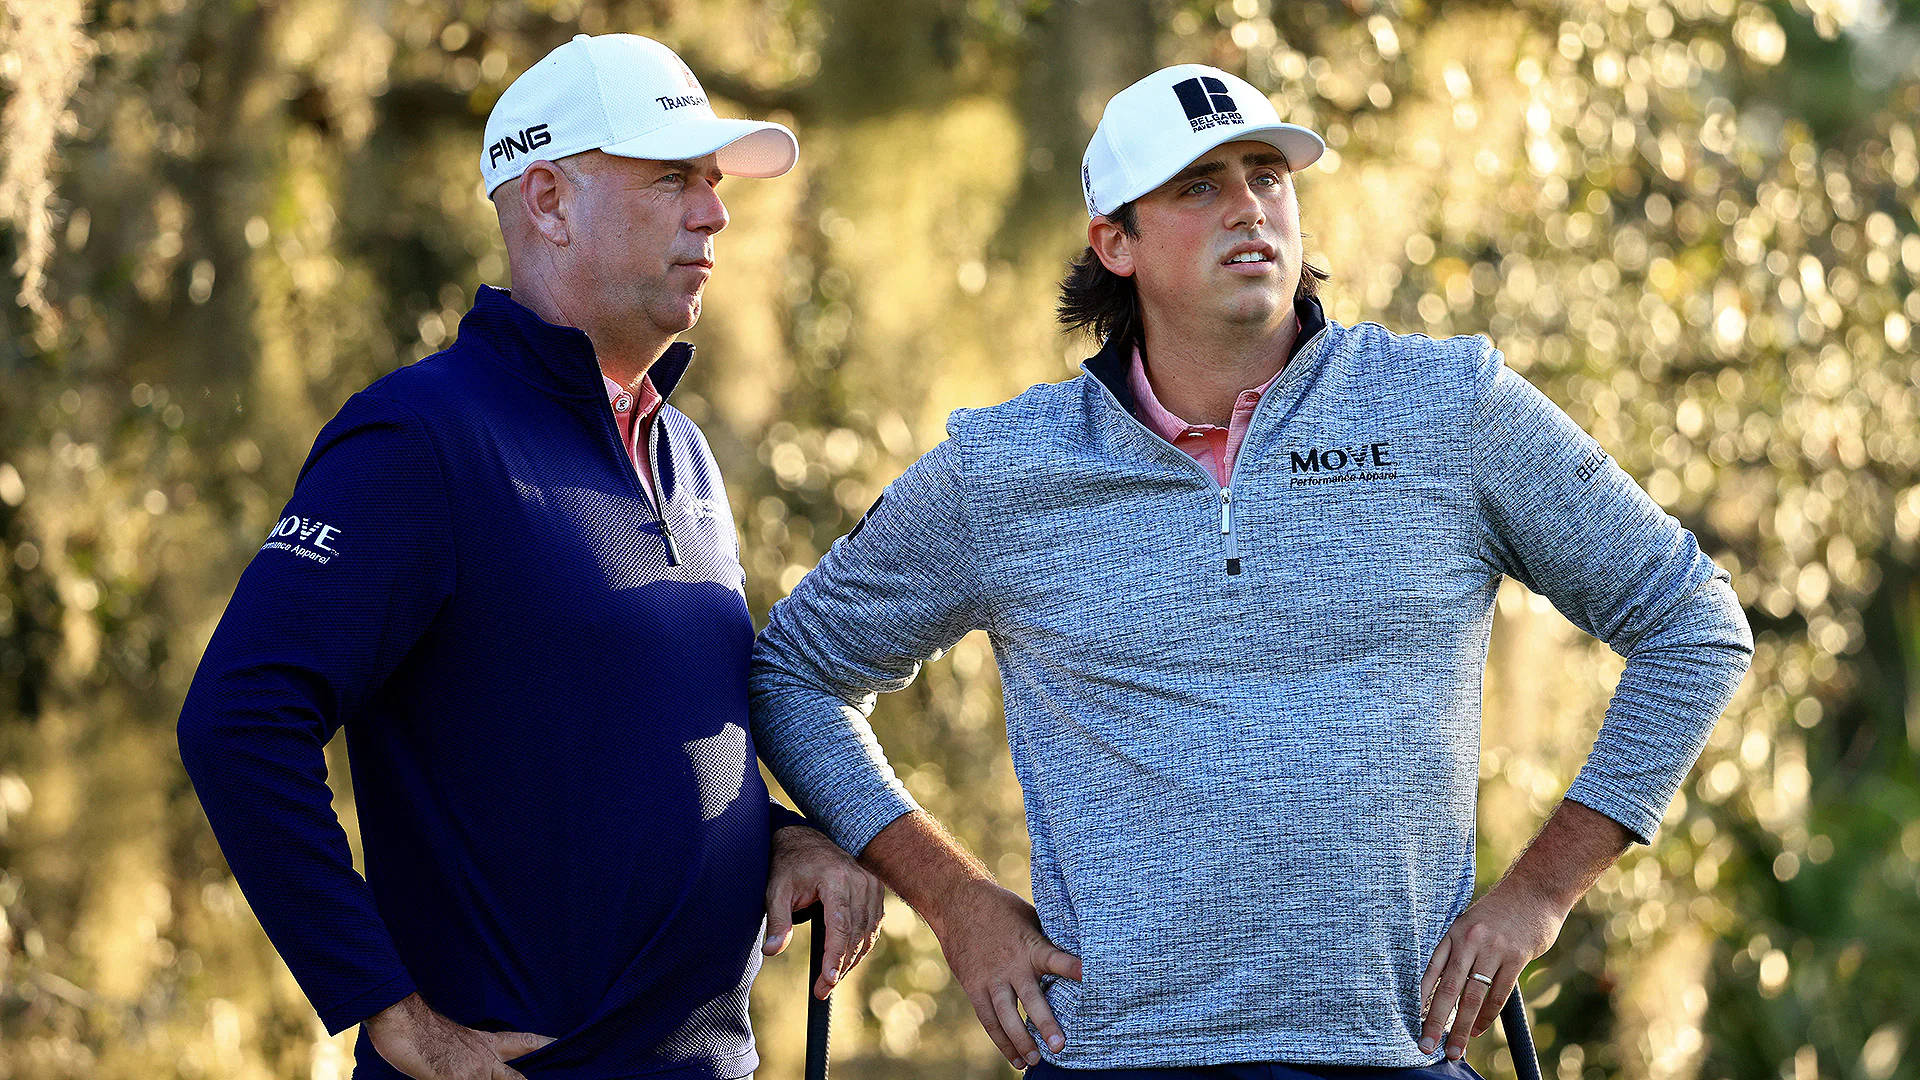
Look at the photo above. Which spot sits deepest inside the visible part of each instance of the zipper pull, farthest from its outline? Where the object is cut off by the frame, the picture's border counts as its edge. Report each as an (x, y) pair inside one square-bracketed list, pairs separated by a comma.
[(659, 492), (1226, 530)]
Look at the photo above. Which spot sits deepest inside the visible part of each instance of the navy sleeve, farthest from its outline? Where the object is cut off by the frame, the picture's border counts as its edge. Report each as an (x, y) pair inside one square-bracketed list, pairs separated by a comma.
[(351, 576)]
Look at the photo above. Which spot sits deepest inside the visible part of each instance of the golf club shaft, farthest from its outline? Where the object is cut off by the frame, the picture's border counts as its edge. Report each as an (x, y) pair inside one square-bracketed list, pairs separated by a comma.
[(819, 1010), (1513, 1019)]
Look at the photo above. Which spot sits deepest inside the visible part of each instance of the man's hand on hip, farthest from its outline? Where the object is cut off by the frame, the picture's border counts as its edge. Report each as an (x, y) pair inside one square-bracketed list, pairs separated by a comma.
[(997, 950), (427, 1046), (1480, 958), (809, 868), (992, 937)]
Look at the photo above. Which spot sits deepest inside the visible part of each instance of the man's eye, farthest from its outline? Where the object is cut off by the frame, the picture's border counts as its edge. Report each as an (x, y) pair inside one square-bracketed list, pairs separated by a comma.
[(674, 178), (1200, 187)]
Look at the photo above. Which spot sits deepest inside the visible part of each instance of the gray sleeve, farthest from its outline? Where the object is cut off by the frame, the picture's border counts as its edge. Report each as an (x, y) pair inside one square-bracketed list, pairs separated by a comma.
[(1561, 517), (891, 595)]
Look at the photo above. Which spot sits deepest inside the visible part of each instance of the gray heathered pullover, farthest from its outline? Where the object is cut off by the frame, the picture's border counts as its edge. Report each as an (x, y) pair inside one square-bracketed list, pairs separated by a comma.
[(1251, 795)]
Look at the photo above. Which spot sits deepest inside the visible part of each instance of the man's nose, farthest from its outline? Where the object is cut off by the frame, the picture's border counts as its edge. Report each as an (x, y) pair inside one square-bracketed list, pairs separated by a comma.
[(709, 214), (1243, 205)]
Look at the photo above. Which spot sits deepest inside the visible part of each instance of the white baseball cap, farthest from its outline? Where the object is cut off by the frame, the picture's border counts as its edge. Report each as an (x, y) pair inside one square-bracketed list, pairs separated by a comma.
[(1161, 124), (626, 95)]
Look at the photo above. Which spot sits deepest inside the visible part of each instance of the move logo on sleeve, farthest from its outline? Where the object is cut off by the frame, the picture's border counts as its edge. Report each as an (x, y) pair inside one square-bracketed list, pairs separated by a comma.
[(309, 538), (1343, 464), (1207, 103)]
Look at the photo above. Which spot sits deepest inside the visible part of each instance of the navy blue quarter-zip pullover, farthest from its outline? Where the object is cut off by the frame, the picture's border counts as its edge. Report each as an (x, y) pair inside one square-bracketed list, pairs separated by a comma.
[(542, 676)]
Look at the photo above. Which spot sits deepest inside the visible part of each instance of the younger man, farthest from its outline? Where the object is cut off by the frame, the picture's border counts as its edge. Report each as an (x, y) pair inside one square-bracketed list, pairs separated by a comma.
[(1239, 578)]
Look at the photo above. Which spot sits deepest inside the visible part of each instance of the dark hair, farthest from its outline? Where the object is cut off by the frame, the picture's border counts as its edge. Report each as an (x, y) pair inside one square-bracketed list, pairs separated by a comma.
[(1095, 298)]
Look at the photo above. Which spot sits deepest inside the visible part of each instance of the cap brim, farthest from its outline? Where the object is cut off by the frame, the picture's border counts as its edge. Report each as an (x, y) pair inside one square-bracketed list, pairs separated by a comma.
[(756, 148), (1301, 146)]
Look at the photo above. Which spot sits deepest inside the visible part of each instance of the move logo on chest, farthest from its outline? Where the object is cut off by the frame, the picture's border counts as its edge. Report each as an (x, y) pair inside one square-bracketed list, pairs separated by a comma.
[(1343, 464)]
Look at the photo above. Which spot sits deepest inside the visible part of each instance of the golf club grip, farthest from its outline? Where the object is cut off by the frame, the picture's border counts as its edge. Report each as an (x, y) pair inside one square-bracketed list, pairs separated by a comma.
[(819, 1010), (1513, 1019)]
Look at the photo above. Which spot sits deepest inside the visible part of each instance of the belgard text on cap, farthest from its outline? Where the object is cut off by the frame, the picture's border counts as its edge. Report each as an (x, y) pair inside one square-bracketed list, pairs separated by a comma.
[(1159, 125), (626, 95)]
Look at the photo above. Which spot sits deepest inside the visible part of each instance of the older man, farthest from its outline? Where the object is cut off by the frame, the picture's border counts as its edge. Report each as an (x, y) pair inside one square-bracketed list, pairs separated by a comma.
[(1239, 578), (510, 572)]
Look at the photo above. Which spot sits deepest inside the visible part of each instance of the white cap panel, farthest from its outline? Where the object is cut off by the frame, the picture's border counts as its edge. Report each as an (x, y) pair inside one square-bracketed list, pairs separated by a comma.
[(1161, 124), (625, 91)]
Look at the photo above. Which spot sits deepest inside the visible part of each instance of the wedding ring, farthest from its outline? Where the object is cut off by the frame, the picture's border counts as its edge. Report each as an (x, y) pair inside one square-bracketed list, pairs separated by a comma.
[(1477, 977)]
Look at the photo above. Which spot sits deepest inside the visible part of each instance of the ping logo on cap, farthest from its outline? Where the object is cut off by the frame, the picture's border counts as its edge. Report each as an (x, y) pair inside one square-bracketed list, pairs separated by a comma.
[(1207, 103), (523, 141)]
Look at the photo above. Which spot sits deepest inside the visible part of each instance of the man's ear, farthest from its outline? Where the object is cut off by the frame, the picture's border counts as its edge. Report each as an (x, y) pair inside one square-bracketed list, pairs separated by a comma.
[(1112, 244), (545, 194)]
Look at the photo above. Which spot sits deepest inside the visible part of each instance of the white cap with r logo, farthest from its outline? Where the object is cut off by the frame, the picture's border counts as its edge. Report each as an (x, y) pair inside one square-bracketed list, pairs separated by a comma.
[(1161, 124)]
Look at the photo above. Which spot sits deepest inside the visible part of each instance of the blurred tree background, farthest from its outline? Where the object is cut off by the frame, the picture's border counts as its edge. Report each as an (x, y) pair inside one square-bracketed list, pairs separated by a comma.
[(1692, 222)]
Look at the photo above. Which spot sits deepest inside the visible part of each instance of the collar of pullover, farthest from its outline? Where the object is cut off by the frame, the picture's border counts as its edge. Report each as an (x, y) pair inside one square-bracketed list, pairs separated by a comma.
[(1111, 364), (558, 359)]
